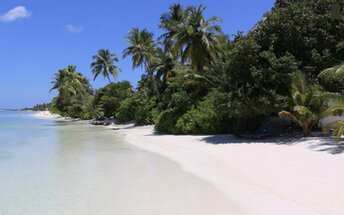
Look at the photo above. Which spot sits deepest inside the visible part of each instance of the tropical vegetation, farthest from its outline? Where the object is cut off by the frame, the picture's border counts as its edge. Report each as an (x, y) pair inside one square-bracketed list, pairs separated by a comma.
[(104, 64), (198, 80)]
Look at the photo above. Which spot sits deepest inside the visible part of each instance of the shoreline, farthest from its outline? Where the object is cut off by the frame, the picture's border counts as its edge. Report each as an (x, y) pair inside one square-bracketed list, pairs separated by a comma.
[(259, 177), (46, 115), (275, 176), (198, 195), (76, 168)]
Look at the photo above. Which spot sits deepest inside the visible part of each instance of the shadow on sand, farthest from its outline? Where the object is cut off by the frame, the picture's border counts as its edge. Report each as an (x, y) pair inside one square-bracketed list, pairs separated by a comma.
[(123, 127), (316, 142)]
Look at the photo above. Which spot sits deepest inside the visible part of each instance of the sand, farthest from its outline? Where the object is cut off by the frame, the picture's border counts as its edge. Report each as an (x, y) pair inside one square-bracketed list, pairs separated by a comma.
[(47, 115), (284, 176), (102, 174), (279, 176)]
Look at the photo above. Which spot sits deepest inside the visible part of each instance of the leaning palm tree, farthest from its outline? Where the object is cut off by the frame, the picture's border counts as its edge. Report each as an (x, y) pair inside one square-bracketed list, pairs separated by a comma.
[(67, 81), (196, 37), (309, 103), (73, 87), (104, 64)]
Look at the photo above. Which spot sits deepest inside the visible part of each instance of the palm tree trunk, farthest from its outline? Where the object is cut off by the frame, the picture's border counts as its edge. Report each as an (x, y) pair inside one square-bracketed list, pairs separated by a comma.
[(109, 79)]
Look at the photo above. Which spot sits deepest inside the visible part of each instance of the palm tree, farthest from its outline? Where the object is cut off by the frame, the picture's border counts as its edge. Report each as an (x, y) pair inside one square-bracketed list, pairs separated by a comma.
[(59, 80), (142, 48), (170, 22), (337, 105), (104, 63), (338, 129), (73, 88), (165, 66), (175, 16), (67, 81), (309, 103), (334, 76), (144, 53), (196, 37)]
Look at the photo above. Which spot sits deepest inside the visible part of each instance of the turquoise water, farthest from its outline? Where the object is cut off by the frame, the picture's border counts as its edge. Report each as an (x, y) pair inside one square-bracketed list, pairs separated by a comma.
[(64, 168), (49, 167)]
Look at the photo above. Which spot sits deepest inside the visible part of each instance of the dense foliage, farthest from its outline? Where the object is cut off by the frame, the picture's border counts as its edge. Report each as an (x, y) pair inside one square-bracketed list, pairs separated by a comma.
[(75, 94), (333, 79), (109, 98), (199, 80), (309, 102)]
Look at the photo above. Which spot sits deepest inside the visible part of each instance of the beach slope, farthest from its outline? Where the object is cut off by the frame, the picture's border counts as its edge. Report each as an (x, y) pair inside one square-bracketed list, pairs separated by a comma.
[(299, 176)]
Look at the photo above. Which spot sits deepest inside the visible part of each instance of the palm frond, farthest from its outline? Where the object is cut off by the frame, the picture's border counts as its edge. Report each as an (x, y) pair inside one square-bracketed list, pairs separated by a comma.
[(290, 116), (338, 129)]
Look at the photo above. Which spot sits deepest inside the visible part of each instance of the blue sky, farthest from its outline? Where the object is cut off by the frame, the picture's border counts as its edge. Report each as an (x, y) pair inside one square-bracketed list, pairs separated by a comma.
[(38, 37)]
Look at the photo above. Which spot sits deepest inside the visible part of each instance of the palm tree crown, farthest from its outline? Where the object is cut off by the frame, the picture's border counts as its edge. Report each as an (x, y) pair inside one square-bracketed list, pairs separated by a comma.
[(194, 35), (69, 82), (104, 64), (142, 48), (169, 22), (309, 103)]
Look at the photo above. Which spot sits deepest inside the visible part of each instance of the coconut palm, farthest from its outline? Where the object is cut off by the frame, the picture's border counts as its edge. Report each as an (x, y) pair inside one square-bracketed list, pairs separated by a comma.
[(170, 22), (337, 105), (59, 81), (309, 103), (104, 64), (142, 48), (67, 81), (333, 77), (73, 88), (174, 17), (196, 37), (144, 53), (165, 66)]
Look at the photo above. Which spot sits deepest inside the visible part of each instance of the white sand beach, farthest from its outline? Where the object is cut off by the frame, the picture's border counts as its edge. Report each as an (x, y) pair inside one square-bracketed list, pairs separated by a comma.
[(46, 115), (286, 177), (105, 175)]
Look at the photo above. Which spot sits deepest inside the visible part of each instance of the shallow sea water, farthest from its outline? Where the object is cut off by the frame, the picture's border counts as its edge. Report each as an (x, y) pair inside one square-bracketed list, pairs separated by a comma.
[(71, 168)]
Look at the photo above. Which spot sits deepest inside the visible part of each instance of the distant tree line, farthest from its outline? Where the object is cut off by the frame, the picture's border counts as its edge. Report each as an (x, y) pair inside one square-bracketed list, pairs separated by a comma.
[(39, 107)]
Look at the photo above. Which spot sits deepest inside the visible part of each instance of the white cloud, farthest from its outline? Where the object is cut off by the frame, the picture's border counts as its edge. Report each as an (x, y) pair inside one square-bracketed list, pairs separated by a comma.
[(19, 12), (74, 29)]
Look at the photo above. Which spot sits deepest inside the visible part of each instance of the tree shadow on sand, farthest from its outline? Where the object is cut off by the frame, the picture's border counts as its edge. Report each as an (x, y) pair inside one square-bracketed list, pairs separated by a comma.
[(316, 142)]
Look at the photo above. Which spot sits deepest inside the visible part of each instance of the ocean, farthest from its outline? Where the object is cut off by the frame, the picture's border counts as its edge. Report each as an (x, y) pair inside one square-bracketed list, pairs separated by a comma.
[(71, 168)]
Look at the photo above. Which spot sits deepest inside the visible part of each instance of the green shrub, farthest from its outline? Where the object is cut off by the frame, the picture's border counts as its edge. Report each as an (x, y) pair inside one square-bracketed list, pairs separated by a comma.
[(174, 106), (108, 99), (139, 108), (202, 119), (126, 110), (146, 112), (167, 120)]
